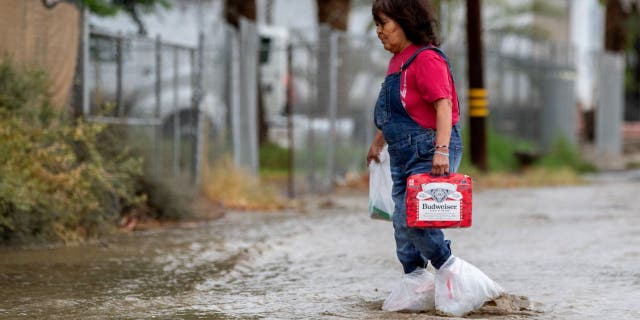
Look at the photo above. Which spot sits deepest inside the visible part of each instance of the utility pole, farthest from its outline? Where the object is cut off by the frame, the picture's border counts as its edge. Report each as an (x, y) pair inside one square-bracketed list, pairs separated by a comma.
[(478, 110)]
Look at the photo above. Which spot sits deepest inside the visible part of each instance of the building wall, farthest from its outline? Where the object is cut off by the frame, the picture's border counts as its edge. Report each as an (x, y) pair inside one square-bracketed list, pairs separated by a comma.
[(35, 35)]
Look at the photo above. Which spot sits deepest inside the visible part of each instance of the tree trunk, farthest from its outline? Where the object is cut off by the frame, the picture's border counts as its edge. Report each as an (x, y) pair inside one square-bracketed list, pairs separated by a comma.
[(335, 13), (615, 30), (234, 9)]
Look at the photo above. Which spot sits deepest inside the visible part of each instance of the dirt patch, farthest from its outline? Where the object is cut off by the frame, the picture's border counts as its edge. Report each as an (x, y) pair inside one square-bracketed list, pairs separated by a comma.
[(508, 304)]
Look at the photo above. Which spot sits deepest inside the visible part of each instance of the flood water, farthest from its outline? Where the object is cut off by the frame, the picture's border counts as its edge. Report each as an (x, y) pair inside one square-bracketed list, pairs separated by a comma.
[(572, 253)]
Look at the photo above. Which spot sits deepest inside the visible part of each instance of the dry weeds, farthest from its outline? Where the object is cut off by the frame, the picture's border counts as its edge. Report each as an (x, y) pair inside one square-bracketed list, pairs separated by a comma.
[(234, 188)]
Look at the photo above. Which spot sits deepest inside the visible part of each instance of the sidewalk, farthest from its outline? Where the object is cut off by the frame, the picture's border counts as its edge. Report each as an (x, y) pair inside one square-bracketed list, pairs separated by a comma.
[(573, 251)]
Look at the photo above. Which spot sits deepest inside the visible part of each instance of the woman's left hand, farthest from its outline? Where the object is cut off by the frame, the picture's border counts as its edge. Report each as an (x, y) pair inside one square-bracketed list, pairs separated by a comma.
[(440, 163)]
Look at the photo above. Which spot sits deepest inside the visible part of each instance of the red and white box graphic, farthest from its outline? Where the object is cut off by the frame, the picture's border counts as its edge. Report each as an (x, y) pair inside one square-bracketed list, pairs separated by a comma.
[(439, 201)]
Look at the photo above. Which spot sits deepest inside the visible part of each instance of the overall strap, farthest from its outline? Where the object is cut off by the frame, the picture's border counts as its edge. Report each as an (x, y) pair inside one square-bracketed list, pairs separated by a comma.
[(443, 55), (429, 47), (439, 52), (413, 57)]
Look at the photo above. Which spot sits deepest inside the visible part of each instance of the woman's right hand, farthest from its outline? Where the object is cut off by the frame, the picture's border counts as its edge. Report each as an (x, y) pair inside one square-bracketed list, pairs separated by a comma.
[(376, 148)]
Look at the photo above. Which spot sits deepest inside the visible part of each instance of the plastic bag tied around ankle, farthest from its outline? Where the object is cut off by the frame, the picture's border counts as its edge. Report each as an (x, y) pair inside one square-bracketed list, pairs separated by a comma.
[(462, 288), (414, 293)]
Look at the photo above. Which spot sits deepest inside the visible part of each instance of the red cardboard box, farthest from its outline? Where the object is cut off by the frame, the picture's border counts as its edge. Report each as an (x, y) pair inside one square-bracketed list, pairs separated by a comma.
[(439, 202)]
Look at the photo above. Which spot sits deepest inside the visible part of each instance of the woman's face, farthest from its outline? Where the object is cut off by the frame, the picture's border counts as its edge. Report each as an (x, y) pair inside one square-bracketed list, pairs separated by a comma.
[(391, 34)]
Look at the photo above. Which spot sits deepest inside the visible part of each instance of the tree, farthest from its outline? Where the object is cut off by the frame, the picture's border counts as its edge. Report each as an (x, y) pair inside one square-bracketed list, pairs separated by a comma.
[(134, 8), (620, 25), (335, 13), (236, 9), (622, 35), (614, 30)]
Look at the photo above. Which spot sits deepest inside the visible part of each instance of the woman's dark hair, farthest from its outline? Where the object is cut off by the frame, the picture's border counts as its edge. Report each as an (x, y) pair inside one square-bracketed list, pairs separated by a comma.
[(414, 17)]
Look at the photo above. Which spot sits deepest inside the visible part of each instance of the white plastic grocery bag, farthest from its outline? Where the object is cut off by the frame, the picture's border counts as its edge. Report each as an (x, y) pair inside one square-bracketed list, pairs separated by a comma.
[(414, 293), (380, 185)]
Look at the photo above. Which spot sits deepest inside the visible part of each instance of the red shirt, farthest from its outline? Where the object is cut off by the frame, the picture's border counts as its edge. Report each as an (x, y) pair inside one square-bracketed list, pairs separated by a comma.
[(426, 80)]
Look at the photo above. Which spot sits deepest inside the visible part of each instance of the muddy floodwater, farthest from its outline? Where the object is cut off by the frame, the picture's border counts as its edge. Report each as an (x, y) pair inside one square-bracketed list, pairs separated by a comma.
[(562, 253)]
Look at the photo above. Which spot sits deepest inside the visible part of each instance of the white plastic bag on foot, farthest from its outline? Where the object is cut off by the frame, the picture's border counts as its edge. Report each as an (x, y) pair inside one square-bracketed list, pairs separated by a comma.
[(462, 288), (414, 293)]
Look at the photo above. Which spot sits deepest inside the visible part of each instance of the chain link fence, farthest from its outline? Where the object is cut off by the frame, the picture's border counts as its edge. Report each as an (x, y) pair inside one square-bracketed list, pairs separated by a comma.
[(187, 106), (531, 86), (335, 80), (170, 100)]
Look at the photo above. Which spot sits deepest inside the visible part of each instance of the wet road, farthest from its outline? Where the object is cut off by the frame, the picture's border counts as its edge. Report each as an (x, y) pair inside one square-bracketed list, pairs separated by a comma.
[(573, 251)]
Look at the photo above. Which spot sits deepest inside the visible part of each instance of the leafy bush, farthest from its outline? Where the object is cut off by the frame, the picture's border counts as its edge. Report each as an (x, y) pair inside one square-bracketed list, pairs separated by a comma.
[(502, 150), (23, 90), (166, 202), (55, 182), (274, 157), (564, 155)]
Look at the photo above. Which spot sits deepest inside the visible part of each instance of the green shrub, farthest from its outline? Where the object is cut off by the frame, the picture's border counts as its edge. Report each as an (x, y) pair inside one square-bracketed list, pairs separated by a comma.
[(500, 152), (23, 90), (55, 182), (165, 201), (501, 155), (565, 155), (274, 157)]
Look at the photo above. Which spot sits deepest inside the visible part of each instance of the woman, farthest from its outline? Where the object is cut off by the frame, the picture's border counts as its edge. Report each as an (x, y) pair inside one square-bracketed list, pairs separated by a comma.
[(417, 115)]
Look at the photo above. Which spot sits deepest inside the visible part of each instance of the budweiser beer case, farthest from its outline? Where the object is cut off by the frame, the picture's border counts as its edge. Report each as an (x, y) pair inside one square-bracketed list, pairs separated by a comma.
[(439, 201)]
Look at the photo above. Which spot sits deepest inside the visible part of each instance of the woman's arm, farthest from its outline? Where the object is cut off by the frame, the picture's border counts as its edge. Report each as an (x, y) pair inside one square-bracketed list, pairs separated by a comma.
[(440, 164), (376, 147)]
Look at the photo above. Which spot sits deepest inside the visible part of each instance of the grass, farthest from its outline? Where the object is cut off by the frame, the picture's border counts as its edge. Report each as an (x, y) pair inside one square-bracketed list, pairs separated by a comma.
[(273, 158), (561, 165), (235, 188), (533, 177)]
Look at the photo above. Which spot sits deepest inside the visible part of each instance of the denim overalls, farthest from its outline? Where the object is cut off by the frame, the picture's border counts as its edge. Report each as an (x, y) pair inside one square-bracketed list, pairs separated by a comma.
[(411, 148)]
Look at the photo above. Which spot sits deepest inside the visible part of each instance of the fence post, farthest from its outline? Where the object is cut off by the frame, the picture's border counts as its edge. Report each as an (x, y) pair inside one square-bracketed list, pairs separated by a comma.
[(323, 79), (197, 64), (610, 110), (289, 108), (245, 139), (333, 106), (199, 124), (119, 76), (176, 114), (228, 73), (558, 108), (158, 94), (85, 61), (158, 84), (234, 98)]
